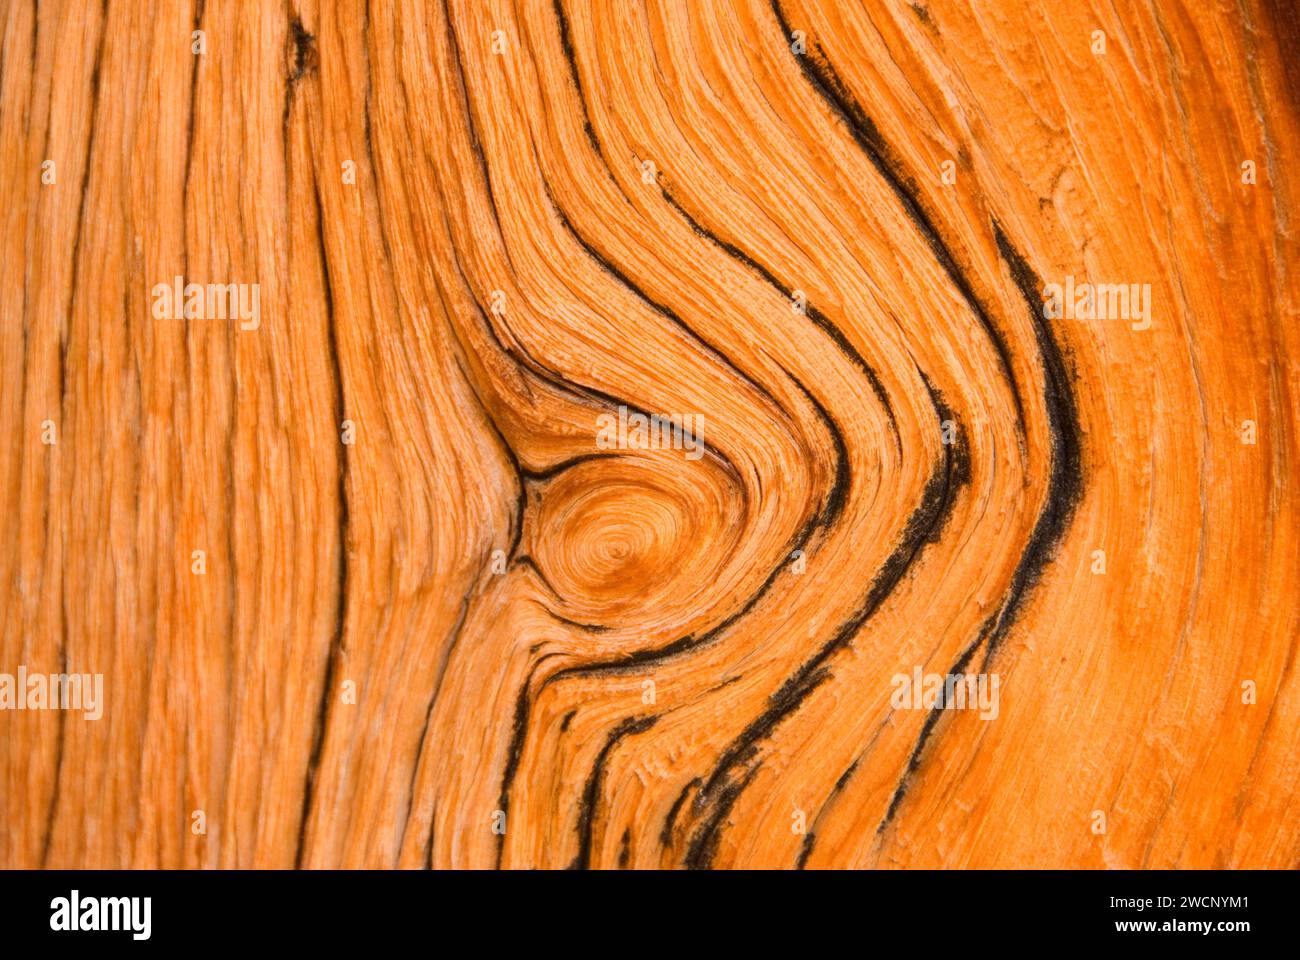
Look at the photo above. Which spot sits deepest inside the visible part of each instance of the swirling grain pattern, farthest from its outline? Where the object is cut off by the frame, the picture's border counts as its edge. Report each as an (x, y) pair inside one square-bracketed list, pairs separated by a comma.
[(652, 434)]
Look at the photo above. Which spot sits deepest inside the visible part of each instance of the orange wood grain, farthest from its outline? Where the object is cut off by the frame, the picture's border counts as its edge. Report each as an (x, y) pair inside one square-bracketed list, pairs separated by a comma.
[(437, 620)]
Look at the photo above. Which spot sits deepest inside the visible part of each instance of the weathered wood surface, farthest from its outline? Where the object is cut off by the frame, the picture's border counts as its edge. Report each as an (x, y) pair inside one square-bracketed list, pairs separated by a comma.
[(445, 614)]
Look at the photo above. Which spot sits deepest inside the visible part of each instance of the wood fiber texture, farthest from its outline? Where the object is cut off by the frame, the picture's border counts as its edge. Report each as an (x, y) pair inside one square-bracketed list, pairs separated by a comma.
[(368, 582)]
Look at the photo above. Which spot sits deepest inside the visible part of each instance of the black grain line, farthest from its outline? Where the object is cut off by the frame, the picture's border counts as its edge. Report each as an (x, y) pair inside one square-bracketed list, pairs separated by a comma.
[(591, 795), (566, 43), (472, 125), (189, 148), (810, 840), (625, 851), (578, 624), (365, 122), (704, 845), (514, 752), (838, 494), (824, 79), (555, 469), (670, 822), (1065, 483), (527, 562), (428, 847), (524, 560), (344, 533), (932, 719)]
